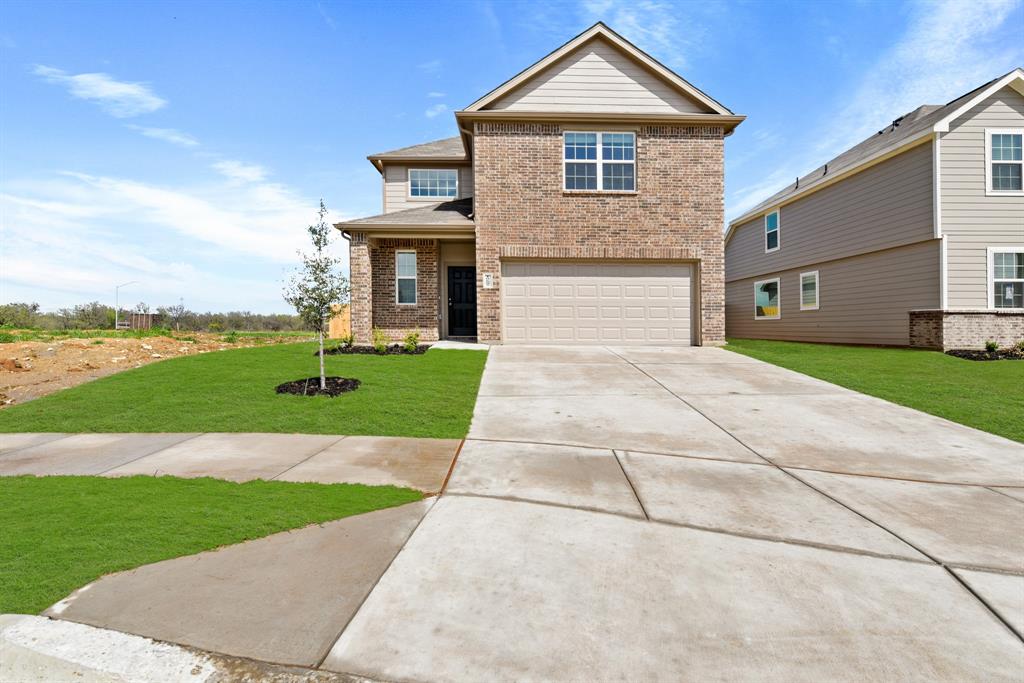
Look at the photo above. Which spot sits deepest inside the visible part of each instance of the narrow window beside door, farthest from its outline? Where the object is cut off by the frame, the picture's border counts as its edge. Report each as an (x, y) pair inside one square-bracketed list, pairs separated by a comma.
[(405, 277)]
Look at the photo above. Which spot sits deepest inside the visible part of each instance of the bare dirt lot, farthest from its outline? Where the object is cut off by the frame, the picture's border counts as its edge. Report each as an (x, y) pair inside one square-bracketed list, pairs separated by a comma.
[(30, 369)]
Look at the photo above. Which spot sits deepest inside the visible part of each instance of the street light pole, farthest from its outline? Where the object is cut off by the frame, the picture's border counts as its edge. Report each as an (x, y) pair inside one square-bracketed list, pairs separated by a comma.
[(117, 301)]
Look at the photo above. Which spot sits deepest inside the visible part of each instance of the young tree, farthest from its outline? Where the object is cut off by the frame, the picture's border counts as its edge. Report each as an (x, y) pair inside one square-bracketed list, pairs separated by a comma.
[(317, 284)]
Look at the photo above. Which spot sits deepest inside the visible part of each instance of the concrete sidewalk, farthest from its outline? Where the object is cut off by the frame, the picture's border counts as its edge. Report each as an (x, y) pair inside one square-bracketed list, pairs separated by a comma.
[(421, 464)]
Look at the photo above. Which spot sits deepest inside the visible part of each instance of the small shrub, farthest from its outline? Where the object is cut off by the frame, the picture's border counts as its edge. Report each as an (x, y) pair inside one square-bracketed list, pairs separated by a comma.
[(230, 338), (991, 346), (380, 340), (6, 338), (216, 327), (1020, 346), (411, 341), (345, 341), (97, 342)]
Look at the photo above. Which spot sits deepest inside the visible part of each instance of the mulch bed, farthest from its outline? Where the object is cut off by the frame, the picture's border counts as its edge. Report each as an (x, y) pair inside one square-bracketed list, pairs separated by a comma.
[(310, 386), (393, 350), (1001, 354)]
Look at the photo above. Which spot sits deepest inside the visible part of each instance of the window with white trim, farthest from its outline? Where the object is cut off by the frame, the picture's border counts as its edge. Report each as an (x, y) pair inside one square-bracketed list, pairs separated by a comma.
[(440, 183), (1004, 168), (771, 232), (405, 277), (603, 162), (809, 291), (766, 300), (1006, 273)]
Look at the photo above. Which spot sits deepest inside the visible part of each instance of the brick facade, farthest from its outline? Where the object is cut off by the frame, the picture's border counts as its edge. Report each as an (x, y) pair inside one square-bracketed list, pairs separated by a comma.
[(522, 211), (373, 289), (945, 330)]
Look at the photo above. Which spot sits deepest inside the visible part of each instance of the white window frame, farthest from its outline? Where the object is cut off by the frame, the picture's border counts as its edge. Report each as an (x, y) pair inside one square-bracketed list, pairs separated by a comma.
[(990, 276), (425, 198), (778, 231), (778, 288), (600, 162), (989, 132), (817, 290), (414, 278)]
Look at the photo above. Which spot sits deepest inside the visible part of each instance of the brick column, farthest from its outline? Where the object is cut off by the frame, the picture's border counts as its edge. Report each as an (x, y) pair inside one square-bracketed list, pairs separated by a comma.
[(361, 286)]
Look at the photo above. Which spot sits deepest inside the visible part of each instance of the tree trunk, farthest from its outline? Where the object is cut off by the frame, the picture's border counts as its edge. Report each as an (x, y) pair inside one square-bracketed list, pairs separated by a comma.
[(323, 379)]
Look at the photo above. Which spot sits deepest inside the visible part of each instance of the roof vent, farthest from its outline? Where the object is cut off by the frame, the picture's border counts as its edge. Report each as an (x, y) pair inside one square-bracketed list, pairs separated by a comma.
[(825, 172), (798, 181)]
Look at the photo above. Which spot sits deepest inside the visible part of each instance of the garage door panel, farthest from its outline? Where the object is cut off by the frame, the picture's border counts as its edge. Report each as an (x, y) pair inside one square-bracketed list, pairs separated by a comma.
[(552, 302)]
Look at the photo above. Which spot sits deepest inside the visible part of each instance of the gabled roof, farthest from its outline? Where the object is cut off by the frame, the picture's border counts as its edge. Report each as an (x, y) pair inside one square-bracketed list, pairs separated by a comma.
[(906, 131), (456, 213), (599, 30)]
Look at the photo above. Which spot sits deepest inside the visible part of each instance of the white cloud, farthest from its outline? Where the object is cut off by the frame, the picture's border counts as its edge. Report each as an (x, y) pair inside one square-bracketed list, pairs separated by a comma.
[(435, 110), (949, 48), (236, 170), (661, 28), (118, 98), (431, 67), (175, 137), (221, 246), (435, 95)]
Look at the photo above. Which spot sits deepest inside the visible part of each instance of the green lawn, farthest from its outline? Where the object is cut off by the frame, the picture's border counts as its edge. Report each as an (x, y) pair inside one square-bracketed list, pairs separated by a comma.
[(987, 395), (60, 533), (430, 395)]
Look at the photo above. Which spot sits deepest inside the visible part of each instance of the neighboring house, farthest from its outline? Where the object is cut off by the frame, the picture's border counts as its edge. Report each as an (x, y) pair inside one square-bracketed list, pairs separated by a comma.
[(581, 203), (913, 237)]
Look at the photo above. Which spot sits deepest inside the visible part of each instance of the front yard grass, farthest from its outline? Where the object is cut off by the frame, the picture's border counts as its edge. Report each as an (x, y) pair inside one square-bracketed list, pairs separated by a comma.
[(986, 395), (430, 395), (60, 533)]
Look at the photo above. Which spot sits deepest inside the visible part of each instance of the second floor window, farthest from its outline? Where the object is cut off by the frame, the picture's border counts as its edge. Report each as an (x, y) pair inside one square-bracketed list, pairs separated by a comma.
[(771, 232), (604, 162), (1005, 161), (442, 183)]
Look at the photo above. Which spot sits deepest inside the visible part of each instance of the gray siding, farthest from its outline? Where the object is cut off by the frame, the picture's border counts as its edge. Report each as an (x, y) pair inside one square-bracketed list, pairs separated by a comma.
[(862, 300), (972, 221), (396, 186), (885, 206), (598, 78)]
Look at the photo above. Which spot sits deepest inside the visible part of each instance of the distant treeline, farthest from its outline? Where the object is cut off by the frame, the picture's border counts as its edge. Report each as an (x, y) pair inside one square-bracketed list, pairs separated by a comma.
[(97, 316)]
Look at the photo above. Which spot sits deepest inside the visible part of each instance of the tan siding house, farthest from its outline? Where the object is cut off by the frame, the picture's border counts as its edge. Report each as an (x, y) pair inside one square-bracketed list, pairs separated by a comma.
[(581, 203), (913, 237)]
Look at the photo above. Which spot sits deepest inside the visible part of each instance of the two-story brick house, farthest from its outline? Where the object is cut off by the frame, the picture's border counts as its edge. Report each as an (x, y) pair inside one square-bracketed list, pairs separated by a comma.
[(581, 203)]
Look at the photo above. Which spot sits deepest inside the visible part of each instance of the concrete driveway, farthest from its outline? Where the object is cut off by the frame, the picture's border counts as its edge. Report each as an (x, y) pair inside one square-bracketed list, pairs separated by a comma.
[(693, 514), (682, 514)]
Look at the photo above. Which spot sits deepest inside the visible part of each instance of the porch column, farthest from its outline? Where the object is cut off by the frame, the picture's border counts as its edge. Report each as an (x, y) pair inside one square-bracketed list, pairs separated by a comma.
[(361, 288)]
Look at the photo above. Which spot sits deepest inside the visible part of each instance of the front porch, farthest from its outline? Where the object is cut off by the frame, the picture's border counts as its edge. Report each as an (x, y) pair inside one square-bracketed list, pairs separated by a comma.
[(406, 284)]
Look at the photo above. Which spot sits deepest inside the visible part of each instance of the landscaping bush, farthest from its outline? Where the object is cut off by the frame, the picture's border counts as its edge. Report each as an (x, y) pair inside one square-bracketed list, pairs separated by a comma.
[(412, 341), (380, 340), (991, 346)]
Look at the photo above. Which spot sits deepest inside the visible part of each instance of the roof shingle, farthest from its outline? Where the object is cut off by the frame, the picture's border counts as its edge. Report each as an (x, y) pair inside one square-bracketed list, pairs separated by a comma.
[(458, 213), (448, 148)]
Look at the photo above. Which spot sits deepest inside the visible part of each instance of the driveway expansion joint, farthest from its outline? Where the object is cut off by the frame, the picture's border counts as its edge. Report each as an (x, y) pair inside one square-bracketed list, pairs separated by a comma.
[(288, 469), (146, 455), (632, 487)]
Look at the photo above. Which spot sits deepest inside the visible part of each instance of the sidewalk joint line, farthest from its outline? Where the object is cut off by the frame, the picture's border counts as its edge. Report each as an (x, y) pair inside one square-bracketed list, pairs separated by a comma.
[(451, 468), (291, 467), (159, 450), (984, 602)]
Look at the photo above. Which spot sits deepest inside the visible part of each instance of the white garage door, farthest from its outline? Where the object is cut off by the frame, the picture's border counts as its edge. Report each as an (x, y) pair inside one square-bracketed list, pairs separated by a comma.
[(596, 303)]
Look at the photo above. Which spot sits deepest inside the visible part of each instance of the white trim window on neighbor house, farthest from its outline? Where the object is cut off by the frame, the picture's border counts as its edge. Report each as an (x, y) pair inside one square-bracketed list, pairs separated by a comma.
[(1004, 161), (767, 305), (1006, 277)]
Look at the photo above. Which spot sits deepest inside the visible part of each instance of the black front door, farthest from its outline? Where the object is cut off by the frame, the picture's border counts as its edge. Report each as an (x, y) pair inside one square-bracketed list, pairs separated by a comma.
[(461, 301)]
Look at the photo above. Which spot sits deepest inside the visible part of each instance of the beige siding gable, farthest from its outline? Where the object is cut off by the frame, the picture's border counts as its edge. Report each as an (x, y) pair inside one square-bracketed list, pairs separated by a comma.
[(598, 77), (396, 186), (971, 220)]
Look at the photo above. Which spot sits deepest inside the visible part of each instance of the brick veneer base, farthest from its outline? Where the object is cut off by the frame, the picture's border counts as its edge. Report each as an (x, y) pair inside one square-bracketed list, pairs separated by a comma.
[(946, 330)]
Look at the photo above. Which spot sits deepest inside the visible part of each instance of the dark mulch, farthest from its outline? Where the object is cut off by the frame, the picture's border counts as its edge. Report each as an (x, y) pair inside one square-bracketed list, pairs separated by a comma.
[(393, 350), (311, 386), (1001, 354)]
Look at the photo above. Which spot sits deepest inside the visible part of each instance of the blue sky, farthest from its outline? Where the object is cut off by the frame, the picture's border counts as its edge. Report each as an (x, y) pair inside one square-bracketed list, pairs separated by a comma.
[(185, 145)]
